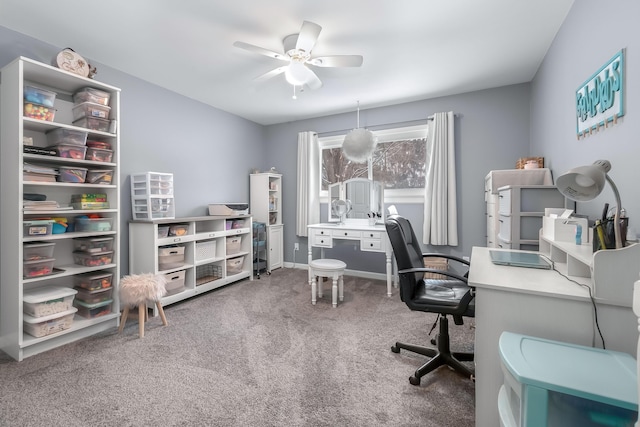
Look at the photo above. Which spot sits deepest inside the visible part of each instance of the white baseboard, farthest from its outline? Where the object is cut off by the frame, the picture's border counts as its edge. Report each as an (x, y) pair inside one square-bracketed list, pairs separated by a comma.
[(356, 273)]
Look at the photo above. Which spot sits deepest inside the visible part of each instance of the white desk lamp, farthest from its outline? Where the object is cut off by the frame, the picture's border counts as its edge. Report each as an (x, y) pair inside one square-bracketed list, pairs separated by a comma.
[(584, 183)]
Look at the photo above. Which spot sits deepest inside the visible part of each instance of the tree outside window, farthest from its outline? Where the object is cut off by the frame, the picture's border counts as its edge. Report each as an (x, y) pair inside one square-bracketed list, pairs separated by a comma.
[(397, 162)]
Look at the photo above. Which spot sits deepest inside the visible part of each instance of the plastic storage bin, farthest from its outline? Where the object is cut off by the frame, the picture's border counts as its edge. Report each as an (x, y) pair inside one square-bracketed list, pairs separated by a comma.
[(48, 300), (163, 231), (93, 281), (99, 154), (175, 282), (94, 259), (93, 123), (90, 109), (91, 311), (47, 325), (41, 227), (93, 244), (234, 265), (72, 174), (233, 244), (545, 386), (148, 208), (93, 224), (170, 257), (93, 297), (40, 112), (70, 151), (39, 96), (178, 229), (66, 136), (37, 251), (37, 268), (99, 144), (99, 176), (89, 94)]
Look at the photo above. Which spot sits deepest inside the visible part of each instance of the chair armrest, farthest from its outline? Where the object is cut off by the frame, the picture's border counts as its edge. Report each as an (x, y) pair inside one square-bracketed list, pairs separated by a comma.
[(433, 270), (452, 257)]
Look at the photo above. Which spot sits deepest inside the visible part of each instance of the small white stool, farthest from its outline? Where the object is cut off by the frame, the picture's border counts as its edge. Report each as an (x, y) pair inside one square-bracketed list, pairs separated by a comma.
[(331, 268)]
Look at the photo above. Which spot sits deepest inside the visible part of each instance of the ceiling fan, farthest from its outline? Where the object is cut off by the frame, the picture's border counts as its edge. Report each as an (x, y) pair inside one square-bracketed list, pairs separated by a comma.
[(297, 52)]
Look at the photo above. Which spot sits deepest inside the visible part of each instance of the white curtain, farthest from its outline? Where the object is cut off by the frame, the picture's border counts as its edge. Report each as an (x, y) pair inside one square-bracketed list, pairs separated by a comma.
[(440, 209), (308, 202)]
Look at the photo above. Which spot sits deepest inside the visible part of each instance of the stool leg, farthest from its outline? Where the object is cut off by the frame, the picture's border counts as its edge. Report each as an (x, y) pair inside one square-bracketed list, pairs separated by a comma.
[(141, 316), (123, 318), (319, 287), (334, 292), (340, 288), (161, 311), (313, 289)]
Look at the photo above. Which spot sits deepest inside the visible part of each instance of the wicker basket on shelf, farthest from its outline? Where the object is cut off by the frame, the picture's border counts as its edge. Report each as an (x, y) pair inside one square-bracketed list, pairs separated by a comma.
[(436, 263), (523, 161)]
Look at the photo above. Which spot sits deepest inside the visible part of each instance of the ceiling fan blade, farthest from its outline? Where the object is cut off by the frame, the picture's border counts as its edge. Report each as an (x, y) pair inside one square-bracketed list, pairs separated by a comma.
[(271, 74), (337, 61), (261, 51), (308, 36), (312, 81)]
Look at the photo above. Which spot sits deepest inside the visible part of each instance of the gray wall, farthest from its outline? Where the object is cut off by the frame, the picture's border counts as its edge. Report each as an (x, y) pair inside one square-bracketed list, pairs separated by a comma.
[(492, 128), (578, 51), (210, 152)]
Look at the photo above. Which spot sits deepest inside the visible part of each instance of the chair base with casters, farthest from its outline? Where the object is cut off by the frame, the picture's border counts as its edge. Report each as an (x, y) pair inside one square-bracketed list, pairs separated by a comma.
[(136, 290), (442, 356), (332, 269)]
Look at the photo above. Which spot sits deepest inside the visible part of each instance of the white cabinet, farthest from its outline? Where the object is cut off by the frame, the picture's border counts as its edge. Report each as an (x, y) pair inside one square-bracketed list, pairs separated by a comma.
[(196, 254), (520, 212), (17, 278), (274, 247), (266, 207)]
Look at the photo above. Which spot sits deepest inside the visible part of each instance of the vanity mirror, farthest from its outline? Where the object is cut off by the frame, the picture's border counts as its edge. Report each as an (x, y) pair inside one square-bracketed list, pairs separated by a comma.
[(364, 196)]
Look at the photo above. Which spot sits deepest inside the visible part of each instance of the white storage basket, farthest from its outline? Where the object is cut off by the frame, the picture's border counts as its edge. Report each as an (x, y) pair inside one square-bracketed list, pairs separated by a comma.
[(205, 250)]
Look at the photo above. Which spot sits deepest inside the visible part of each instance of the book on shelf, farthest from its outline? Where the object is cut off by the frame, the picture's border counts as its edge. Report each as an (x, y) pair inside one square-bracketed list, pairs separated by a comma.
[(27, 149), (38, 177), (43, 170), (89, 197)]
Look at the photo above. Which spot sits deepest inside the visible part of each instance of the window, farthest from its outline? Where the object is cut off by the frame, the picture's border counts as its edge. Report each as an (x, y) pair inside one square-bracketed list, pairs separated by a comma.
[(398, 162)]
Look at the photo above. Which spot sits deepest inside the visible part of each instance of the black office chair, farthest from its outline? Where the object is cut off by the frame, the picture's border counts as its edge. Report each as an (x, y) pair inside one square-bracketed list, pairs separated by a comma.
[(446, 296)]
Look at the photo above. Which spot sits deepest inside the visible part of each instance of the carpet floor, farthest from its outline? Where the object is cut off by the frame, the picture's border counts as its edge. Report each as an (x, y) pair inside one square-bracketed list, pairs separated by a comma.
[(253, 353)]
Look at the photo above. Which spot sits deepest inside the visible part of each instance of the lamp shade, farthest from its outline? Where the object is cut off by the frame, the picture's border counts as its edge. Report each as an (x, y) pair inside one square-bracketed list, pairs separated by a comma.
[(359, 145), (584, 182)]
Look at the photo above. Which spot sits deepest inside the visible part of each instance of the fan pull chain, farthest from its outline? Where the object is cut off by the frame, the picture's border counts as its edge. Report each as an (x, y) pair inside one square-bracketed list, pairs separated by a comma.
[(294, 92)]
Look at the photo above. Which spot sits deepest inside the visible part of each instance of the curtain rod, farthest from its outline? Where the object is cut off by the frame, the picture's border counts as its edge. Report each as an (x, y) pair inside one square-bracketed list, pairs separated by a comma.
[(381, 126)]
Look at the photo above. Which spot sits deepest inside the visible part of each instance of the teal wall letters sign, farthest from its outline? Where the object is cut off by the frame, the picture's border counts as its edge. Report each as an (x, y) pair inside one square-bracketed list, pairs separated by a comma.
[(599, 100)]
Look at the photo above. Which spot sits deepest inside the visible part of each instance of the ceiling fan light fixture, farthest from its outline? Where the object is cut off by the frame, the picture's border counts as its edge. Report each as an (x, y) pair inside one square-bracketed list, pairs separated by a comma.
[(296, 73)]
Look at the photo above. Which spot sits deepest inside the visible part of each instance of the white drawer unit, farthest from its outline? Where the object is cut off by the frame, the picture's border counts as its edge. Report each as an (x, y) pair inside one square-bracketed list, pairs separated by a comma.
[(347, 234), (508, 203), (520, 212)]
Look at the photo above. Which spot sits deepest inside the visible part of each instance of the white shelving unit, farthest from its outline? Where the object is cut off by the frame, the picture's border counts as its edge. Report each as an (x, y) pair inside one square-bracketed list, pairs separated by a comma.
[(610, 273), (13, 127), (210, 261), (266, 206), (520, 212)]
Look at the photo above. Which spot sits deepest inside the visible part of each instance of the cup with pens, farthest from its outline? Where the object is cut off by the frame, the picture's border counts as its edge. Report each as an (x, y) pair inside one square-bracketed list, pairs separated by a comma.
[(604, 230)]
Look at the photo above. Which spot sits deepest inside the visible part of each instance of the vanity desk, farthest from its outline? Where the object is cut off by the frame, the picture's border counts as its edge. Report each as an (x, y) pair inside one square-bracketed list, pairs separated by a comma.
[(372, 238)]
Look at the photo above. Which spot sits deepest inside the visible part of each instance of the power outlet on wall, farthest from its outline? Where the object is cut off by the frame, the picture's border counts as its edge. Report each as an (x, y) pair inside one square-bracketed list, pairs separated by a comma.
[(296, 246)]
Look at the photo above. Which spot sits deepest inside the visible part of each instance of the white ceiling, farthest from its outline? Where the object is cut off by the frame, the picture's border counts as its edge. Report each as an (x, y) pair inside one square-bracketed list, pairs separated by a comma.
[(412, 49)]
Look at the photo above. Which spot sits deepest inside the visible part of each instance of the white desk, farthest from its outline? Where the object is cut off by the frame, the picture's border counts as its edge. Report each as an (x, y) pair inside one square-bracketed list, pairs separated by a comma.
[(538, 303), (372, 238)]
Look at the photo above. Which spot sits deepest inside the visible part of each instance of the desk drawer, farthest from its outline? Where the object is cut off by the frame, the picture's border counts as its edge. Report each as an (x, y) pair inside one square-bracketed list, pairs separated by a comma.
[(373, 235), (372, 245), (321, 232), (322, 241), (347, 234)]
